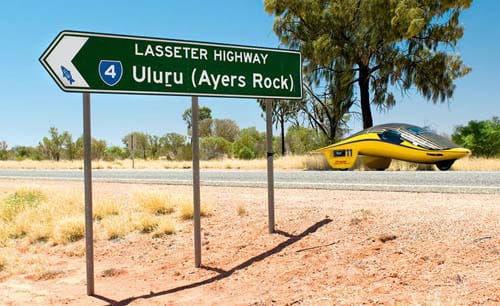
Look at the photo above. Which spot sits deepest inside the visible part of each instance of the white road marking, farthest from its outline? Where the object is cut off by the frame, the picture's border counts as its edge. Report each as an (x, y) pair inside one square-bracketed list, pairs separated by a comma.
[(249, 183)]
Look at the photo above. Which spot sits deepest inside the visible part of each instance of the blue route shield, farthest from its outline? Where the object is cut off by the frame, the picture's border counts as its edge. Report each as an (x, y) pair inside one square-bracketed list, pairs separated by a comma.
[(110, 72)]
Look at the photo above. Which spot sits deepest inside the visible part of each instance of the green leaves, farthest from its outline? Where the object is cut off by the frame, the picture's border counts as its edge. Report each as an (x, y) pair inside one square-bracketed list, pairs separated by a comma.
[(481, 137), (399, 43)]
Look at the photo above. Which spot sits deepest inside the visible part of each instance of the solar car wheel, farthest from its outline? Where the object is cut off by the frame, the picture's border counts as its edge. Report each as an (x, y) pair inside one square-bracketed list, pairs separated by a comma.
[(445, 164)]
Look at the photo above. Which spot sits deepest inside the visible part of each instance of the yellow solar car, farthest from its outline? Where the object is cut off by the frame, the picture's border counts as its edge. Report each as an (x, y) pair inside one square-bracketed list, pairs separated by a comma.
[(378, 145)]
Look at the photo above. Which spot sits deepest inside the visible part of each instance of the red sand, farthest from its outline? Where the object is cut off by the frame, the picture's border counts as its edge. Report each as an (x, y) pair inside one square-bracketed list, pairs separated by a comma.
[(439, 248)]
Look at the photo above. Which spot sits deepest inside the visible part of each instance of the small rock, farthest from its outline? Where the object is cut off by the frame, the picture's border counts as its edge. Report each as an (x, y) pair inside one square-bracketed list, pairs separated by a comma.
[(384, 238)]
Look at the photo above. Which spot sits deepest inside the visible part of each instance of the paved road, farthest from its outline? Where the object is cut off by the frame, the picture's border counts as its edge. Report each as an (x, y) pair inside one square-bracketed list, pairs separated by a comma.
[(417, 181)]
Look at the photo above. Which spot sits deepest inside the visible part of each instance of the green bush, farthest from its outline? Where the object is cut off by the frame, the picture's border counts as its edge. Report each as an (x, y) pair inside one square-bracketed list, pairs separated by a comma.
[(301, 140), (481, 137), (214, 147), (245, 153), (251, 139)]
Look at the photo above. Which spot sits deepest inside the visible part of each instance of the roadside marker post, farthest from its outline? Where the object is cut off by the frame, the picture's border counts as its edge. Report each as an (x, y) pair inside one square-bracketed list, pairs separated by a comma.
[(270, 165), (195, 143), (87, 63), (87, 169)]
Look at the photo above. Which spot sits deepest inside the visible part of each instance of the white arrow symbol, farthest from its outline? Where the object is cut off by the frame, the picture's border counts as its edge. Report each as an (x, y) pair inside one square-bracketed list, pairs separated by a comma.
[(59, 60)]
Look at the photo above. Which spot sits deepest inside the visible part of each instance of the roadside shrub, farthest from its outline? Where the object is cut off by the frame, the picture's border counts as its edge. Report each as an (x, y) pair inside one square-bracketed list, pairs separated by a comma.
[(245, 153), (481, 137), (34, 223), (19, 201), (214, 147), (166, 226), (154, 202), (39, 231), (69, 229), (301, 140), (103, 209), (252, 139), (117, 226), (186, 210), (146, 223), (68, 204)]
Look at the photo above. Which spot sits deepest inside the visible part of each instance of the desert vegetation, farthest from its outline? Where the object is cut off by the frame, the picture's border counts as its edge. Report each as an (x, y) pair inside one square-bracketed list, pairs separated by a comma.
[(52, 218), (224, 146)]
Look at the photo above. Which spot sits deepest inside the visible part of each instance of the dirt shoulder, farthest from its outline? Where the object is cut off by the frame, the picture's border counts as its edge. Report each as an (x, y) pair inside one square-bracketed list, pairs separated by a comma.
[(289, 162), (331, 247)]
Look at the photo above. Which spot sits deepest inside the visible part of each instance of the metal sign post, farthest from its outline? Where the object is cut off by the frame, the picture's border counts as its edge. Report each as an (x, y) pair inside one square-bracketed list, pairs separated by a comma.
[(121, 64), (196, 180), (270, 169), (87, 169)]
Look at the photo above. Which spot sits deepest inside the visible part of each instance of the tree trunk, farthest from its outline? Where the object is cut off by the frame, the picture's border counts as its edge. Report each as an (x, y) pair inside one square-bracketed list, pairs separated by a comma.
[(333, 131), (364, 89), (282, 123)]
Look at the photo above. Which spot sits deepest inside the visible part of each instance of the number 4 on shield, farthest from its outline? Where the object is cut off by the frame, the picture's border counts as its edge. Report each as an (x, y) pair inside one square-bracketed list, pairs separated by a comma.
[(110, 72)]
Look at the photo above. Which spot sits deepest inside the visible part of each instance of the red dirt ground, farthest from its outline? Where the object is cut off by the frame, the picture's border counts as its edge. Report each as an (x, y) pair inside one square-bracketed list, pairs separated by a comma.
[(328, 249)]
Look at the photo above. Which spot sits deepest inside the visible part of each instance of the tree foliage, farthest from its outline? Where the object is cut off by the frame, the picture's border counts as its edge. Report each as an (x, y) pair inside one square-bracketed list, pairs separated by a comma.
[(225, 128), (214, 148), (172, 145), (379, 45), (481, 137), (283, 111), (302, 140), (205, 113), (3, 150), (52, 146), (250, 144)]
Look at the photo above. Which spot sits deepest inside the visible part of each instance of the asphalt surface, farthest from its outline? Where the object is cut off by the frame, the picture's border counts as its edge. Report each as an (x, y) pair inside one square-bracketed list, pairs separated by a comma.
[(412, 181)]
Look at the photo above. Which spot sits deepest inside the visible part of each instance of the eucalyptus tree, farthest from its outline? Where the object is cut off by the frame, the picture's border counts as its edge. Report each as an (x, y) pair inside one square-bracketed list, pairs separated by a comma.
[(283, 111), (382, 44)]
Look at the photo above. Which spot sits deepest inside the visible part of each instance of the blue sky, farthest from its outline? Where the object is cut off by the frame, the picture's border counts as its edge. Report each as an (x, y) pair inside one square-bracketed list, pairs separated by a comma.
[(30, 102)]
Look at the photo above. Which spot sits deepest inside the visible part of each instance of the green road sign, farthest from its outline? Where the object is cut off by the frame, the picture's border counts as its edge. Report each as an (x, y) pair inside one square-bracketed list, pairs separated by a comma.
[(91, 62)]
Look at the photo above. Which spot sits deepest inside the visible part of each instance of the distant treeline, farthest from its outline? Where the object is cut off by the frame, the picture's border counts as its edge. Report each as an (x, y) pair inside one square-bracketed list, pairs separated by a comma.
[(219, 138), (223, 138)]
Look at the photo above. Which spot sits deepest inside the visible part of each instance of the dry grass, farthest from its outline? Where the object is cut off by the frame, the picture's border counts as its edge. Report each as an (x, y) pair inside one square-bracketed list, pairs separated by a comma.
[(146, 223), (19, 201), (315, 162), (289, 162), (241, 210), (69, 229), (5, 231), (75, 250), (477, 164), (166, 226), (186, 210), (117, 226), (56, 216), (105, 208), (34, 216), (154, 203)]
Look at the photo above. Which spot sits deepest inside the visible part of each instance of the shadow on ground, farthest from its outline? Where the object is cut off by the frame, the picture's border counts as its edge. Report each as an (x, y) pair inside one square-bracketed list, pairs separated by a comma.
[(224, 273)]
